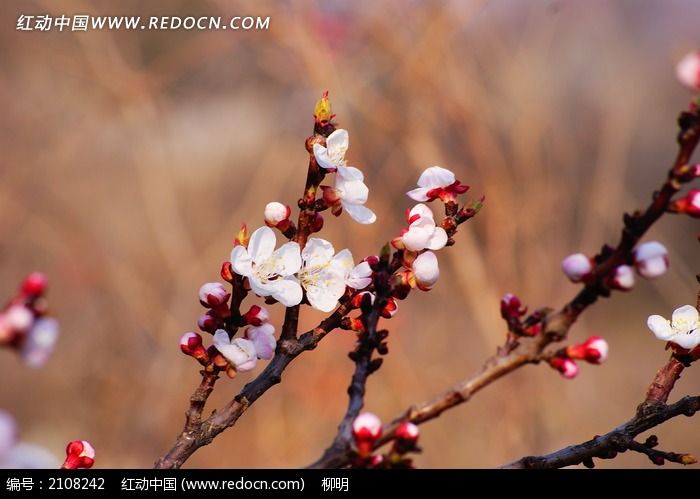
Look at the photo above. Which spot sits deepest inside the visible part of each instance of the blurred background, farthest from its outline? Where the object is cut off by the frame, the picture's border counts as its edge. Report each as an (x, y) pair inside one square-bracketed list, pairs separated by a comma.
[(130, 159)]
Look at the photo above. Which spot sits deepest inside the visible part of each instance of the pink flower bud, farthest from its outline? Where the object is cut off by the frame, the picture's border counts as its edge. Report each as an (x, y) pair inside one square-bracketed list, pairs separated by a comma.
[(276, 213), (209, 322), (623, 279), (213, 294), (18, 318), (688, 71), (407, 432), (34, 285), (577, 267), (690, 204), (317, 223), (594, 350), (190, 342), (565, 366), (511, 307), (257, 315), (651, 259), (426, 270), (366, 429), (356, 301), (79, 454)]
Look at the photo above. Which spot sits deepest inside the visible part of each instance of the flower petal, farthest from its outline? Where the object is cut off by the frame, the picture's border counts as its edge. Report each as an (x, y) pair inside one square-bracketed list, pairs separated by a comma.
[(246, 356), (221, 338), (261, 288), (317, 252), (287, 291), (660, 327), (438, 239), (687, 340), (350, 173), (337, 144), (360, 276), (351, 191), (286, 260), (322, 157), (423, 211), (436, 176), (426, 269), (324, 296), (241, 262), (685, 319), (262, 244), (416, 238), (342, 262), (419, 194), (39, 342), (360, 213), (263, 337)]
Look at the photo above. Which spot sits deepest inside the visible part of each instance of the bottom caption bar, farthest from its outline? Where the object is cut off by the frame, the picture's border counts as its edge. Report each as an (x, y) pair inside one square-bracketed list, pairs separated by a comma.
[(311, 483)]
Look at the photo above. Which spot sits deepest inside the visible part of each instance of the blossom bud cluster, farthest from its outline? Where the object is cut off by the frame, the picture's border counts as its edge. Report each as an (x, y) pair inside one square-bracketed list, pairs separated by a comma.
[(24, 324), (366, 432)]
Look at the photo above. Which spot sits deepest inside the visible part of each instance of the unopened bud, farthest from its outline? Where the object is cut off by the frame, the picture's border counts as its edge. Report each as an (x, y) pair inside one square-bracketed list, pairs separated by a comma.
[(257, 315), (651, 259), (688, 71), (390, 309), (242, 237), (323, 111), (276, 213), (511, 307), (593, 350), (577, 267), (565, 366), (213, 294), (34, 285), (690, 204), (366, 429), (191, 344), (623, 278), (79, 454), (227, 273), (406, 437)]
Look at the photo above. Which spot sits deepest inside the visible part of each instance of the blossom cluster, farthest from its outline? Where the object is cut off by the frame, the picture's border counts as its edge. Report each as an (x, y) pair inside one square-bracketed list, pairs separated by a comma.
[(24, 324), (366, 432)]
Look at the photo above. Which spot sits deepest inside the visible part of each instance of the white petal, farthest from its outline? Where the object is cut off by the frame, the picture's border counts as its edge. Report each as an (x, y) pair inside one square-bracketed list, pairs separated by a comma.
[(260, 288), (262, 244), (360, 213), (419, 194), (652, 267), (342, 262), (436, 176), (263, 337), (687, 340), (246, 356), (338, 143), (322, 158), (360, 277), (438, 239), (317, 252), (416, 238), (352, 191), (221, 338), (241, 262), (426, 270), (325, 295), (423, 211), (287, 291), (287, 259), (660, 327), (685, 318), (350, 173)]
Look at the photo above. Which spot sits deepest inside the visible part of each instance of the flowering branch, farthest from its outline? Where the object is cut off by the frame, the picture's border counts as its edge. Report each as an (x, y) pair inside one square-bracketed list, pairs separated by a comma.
[(652, 412), (527, 341)]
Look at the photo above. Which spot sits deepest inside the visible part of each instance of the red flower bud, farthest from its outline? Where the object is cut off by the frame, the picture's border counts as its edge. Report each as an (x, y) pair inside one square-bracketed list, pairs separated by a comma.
[(79, 454), (256, 316), (511, 307), (34, 285), (593, 350), (565, 366), (227, 273), (366, 429)]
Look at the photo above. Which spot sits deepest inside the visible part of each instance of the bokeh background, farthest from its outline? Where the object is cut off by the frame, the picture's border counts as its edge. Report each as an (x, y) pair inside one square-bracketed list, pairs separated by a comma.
[(130, 159)]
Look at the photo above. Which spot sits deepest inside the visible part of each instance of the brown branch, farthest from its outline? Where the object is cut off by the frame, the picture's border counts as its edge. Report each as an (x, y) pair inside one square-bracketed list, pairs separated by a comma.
[(519, 351), (652, 412)]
